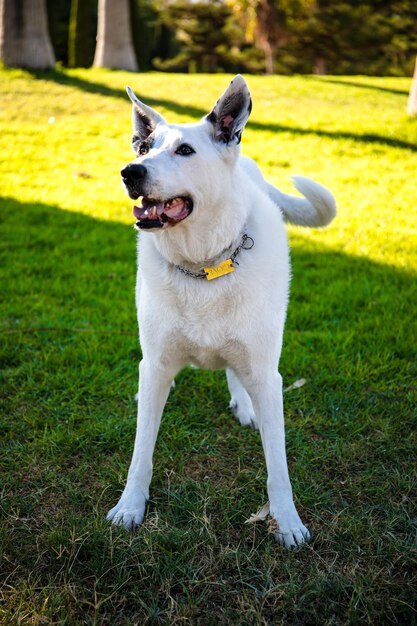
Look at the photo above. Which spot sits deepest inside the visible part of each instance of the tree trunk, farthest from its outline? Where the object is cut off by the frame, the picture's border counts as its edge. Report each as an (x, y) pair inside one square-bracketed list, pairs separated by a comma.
[(79, 54), (320, 67), (270, 30), (269, 53), (412, 98), (24, 35), (114, 38)]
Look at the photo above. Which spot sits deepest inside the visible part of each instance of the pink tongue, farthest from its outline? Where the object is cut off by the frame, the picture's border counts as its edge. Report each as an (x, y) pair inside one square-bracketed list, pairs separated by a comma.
[(137, 212), (177, 210)]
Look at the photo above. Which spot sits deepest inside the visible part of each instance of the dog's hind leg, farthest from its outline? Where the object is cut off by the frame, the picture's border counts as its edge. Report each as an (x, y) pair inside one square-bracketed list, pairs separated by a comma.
[(240, 402), (154, 385), (266, 392)]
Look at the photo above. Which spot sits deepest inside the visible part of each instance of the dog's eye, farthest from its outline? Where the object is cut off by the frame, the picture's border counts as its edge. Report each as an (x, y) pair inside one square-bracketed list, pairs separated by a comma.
[(184, 150), (143, 148)]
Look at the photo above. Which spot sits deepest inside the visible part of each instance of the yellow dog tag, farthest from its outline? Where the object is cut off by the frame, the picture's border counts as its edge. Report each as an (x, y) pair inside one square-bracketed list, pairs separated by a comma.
[(220, 270)]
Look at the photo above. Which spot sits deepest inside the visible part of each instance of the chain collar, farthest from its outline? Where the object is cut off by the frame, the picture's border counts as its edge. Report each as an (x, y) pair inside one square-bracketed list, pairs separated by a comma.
[(246, 243)]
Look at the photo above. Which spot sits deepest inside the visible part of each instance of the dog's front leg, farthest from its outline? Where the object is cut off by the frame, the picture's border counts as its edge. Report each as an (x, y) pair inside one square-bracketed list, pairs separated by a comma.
[(154, 386), (266, 394)]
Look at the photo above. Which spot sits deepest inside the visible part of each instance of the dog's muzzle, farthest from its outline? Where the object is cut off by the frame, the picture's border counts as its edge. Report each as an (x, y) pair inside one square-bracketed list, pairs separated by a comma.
[(153, 213)]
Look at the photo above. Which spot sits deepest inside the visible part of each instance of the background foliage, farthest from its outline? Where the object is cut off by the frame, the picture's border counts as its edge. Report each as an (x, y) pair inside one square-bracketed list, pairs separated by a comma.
[(351, 37)]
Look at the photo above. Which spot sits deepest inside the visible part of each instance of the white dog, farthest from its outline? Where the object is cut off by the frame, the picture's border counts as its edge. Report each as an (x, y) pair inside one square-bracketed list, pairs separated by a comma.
[(212, 283)]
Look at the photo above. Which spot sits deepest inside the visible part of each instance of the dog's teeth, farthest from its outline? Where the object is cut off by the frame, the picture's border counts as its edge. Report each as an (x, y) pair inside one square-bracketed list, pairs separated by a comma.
[(154, 212)]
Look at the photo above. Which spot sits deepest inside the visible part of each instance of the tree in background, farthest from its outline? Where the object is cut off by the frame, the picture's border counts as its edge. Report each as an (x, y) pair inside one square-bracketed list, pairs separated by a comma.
[(412, 98), (209, 38), (271, 29), (361, 37), (150, 36), (58, 18), (400, 45), (114, 48), (284, 36), (346, 37), (24, 36), (146, 33), (79, 50), (199, 30), (326, 32)]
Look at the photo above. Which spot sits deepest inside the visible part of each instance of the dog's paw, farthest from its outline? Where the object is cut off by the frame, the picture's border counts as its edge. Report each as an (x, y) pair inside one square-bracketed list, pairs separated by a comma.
[(243, 413), (128, 512), (289, 531), (293, 537)]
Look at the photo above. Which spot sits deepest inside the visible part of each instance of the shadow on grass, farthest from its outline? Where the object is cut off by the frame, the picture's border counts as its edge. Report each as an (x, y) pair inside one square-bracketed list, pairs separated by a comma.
[(66, 423), (95, 87), (65, 270), (359, 85), (195, 112)]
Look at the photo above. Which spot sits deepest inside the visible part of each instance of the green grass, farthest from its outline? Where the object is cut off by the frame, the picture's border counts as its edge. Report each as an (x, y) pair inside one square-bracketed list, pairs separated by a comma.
[(69, 357)]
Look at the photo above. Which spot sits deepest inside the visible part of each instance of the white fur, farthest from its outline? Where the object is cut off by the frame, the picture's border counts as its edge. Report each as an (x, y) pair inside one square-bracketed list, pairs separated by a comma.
[(234, 322)]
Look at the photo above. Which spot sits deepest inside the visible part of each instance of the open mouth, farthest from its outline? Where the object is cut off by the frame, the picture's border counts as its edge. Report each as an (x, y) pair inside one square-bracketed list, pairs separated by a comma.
[(153, 213)]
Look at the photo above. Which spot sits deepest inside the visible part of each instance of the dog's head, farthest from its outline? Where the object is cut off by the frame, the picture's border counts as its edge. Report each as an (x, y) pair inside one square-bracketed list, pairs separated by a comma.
[(179, 167)]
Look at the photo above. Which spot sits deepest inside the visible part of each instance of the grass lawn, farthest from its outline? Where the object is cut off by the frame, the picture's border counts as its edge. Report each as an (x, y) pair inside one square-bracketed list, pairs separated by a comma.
[(69, 357)]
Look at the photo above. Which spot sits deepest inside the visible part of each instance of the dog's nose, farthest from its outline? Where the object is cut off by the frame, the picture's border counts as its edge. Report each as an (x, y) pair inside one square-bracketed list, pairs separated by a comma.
[(133, 172)]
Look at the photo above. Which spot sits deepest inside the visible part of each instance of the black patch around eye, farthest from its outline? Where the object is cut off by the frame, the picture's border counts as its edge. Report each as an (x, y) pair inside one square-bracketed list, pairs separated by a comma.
[(140, 146)]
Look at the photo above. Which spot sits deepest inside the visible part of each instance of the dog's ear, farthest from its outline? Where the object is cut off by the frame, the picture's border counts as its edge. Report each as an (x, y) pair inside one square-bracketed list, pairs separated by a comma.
[(231, 112), (144, 118)]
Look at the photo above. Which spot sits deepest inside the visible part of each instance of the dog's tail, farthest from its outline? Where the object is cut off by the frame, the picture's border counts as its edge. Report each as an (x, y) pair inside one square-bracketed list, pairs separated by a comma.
[(316, 209)]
